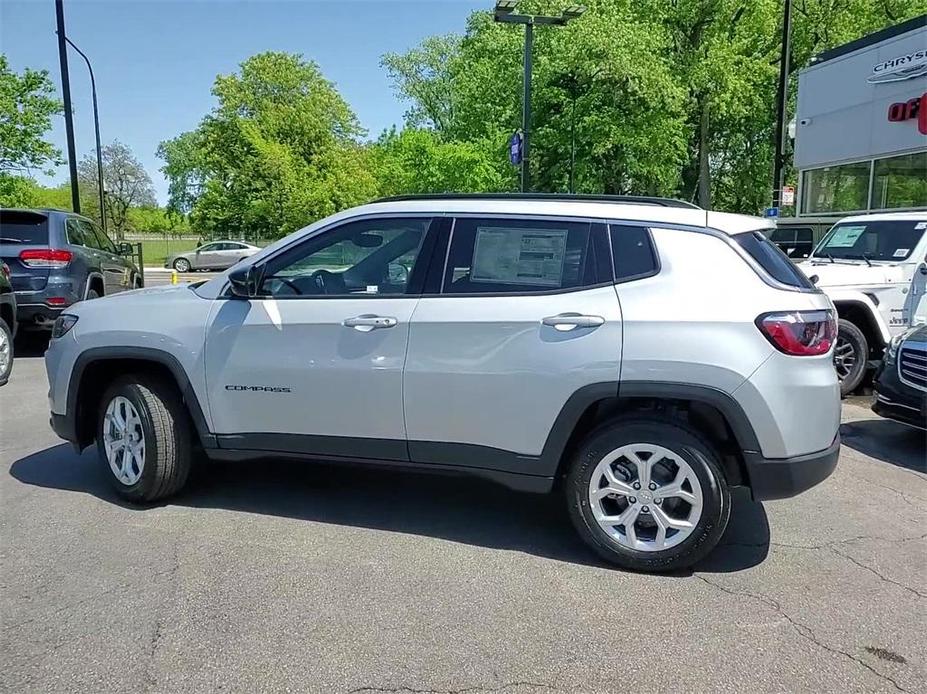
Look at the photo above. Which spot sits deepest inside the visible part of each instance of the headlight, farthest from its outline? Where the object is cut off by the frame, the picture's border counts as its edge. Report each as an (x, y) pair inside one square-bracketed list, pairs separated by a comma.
[(892, 350), (62, 325)]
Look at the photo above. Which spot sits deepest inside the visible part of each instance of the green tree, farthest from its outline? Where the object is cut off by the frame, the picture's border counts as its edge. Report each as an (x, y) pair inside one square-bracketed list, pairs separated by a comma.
[(126, 184), (279, 151), (26, 107)]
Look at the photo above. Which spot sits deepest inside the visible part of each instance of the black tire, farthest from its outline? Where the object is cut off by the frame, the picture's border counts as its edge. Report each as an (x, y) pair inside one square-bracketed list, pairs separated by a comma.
[(853, 339), (182, 262), (684, 442), (6, 342), (168, 438), (92, 294)]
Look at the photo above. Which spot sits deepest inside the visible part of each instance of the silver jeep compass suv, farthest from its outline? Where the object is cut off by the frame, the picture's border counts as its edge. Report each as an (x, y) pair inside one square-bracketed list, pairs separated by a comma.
[(639, 354)]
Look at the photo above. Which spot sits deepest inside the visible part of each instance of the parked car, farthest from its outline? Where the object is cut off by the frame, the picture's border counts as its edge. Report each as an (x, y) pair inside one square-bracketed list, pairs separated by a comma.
[(874, 269), (7, 323), (215, 255), (57, 259), (540, 342), (901, 381)]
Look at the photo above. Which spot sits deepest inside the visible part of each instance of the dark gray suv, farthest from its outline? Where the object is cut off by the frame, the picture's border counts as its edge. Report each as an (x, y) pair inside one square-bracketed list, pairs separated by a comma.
[(57, 259)]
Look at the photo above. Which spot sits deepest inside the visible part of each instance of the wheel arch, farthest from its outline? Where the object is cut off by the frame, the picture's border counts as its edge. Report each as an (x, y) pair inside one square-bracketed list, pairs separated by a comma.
[(712, 412), (97, 368), (94, 281), (861, 311)]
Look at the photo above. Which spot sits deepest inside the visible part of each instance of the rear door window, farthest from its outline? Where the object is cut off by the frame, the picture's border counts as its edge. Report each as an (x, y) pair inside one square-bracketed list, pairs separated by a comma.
[(105, 243), (517, 256), (771, 258), (23, 227), (77, 236)]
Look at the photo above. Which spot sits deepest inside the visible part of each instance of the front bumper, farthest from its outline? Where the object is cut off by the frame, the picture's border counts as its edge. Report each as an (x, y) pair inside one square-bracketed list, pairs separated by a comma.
[(780, 478), (897, 400)]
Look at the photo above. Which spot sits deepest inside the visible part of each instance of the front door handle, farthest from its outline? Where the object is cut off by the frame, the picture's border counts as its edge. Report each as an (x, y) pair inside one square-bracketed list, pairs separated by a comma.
[(571, 321), (368, 322)]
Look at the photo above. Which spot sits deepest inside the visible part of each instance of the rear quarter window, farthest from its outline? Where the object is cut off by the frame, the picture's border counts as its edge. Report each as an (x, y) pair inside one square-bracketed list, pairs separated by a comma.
[(23, 227), (771, 258)]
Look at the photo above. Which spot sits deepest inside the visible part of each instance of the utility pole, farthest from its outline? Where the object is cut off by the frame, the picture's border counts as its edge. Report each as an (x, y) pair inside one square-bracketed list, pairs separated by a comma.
[(782, 105), (68, 113), (96, 127), (505, 13)]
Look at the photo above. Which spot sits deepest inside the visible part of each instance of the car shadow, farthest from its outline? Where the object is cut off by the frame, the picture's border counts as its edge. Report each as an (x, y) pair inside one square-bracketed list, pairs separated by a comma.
[(888, 441), (456, 508)]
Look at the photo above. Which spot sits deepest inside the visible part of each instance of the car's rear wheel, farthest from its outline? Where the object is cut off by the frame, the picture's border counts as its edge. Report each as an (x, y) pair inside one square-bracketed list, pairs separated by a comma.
[(648, 494), (144, 439), (851, 353), (6, 352), (182, 265)]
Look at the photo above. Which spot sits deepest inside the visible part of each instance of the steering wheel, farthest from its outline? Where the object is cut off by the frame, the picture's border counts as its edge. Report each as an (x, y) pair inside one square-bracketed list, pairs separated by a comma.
[(288, 283), (326, 280)]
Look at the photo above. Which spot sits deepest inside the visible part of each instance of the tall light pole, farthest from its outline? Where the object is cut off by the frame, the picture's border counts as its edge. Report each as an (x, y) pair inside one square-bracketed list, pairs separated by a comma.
[(66, 97), (96, 127), (505, 13), (782, 105)]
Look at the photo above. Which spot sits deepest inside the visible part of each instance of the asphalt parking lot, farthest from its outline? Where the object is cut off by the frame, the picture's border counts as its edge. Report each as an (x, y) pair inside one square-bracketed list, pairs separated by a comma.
[(288, 577)]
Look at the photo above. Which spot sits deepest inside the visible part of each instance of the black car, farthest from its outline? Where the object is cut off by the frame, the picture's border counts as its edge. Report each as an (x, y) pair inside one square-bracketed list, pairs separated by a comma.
[(901, 381), (7, 323), (57, 259)]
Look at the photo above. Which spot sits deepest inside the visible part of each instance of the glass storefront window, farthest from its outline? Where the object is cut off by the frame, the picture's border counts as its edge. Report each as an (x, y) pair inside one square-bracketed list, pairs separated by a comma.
[(900, 182), (843, 188)]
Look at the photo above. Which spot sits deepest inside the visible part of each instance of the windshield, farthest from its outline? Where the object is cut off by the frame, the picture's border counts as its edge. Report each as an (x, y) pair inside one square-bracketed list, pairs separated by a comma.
[(890, 240)]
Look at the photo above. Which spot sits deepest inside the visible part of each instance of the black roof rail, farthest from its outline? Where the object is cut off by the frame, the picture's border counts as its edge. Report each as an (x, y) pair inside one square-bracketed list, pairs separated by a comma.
[(551, 197)]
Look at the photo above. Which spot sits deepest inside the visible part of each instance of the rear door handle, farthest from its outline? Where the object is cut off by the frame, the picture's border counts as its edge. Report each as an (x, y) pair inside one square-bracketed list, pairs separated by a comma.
[(571, 321), (368, 322)]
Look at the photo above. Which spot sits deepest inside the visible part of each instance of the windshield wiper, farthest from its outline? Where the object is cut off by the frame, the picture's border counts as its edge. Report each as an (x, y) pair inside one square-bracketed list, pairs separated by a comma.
[(830, 257), (866, 258)]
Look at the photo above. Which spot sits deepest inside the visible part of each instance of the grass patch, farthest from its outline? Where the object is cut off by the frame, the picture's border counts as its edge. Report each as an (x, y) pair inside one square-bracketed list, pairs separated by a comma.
[(155, 251)]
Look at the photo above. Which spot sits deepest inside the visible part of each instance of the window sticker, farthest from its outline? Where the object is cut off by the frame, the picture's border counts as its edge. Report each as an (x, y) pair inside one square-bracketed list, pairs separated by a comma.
[(901, 253), (519, 256), (845, 237), (920, 225)]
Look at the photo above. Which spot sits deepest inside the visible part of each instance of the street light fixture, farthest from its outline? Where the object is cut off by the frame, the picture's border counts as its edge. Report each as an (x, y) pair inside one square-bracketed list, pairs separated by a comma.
[(96, 126), (505, 13)]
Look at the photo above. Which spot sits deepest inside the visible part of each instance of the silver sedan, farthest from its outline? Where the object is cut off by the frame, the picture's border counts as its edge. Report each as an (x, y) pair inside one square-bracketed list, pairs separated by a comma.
[(215, 255)]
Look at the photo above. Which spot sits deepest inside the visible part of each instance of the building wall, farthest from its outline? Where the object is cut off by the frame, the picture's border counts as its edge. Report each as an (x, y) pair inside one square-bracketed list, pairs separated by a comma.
[(842, 116)]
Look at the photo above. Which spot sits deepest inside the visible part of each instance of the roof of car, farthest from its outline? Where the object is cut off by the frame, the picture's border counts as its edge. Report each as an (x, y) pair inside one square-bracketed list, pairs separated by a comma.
[(592, 208), (887, 216)]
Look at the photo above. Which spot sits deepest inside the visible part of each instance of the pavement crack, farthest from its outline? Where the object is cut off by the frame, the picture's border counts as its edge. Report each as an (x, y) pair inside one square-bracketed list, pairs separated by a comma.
[(868, 568), (800, 629), (835, 543), (157, 632), (400, 689)]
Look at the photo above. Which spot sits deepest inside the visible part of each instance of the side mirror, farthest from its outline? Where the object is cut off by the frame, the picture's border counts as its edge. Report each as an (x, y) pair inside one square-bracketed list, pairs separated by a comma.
[(125, 248), (397, 273), (244, 282)]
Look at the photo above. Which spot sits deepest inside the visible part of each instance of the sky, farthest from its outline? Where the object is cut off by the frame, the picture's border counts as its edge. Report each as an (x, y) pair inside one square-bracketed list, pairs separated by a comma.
[(155, 61)]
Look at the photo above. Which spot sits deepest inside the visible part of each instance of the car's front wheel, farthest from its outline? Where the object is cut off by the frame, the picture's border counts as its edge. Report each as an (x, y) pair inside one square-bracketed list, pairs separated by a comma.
[(648, 494), (144, 439), (6, 352), (182, 265), (850, 356)]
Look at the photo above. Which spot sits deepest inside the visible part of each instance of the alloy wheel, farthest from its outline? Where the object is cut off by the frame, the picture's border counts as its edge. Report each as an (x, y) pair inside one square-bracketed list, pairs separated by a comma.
[(5, 351), (645, 497), (124, 440), (844, 358)]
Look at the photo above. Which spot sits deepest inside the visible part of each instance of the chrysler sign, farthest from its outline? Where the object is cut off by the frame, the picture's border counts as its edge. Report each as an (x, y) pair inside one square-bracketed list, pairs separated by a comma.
[(904, 67)]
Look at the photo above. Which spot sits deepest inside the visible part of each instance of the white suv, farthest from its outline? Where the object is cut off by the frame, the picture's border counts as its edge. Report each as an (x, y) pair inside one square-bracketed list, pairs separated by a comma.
[(874, 269), (641, 354)]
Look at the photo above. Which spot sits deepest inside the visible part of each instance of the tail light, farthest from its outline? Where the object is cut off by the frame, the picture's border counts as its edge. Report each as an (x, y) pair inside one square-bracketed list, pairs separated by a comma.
[(800, 333), (45, 257)]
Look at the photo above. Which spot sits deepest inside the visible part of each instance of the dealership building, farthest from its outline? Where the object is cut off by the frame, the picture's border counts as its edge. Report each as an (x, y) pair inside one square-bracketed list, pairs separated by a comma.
[(861, 127)]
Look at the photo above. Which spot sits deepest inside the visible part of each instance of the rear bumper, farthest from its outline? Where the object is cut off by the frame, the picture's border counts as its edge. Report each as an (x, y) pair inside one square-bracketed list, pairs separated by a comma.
[(780, 478), (37, 316)]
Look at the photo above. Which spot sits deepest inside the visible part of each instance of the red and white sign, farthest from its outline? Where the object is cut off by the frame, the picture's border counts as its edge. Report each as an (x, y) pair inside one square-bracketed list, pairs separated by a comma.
[(902, 111), (788, 195)]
